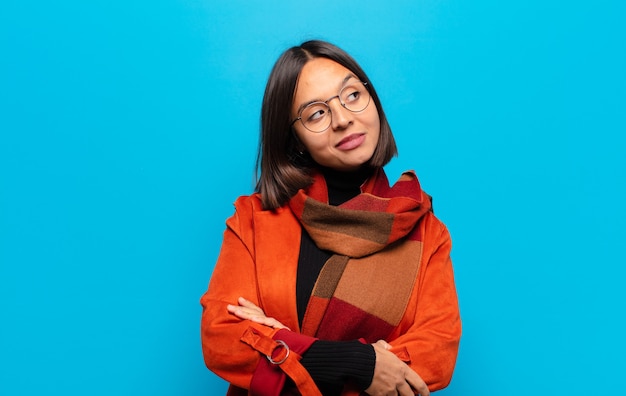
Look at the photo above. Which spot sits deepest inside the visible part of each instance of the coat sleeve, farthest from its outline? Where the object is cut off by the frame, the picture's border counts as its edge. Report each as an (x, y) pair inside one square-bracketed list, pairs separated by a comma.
[(233, 348), (428, 338), (234, 275)]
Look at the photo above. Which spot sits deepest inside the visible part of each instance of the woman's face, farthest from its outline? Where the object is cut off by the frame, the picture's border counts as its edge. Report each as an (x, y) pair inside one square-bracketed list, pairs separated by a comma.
[(351, 138)]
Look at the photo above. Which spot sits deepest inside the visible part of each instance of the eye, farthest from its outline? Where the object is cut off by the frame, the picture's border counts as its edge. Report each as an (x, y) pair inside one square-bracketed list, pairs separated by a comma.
[(314, 113), (351, 94)]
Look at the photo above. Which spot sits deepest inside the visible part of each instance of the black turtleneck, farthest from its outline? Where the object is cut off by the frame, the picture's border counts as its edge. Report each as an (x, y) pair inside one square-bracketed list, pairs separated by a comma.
[(342, 186), (332, 363)]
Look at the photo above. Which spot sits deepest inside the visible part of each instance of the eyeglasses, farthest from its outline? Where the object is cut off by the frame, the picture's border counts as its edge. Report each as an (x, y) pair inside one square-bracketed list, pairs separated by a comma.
[(317, 117)]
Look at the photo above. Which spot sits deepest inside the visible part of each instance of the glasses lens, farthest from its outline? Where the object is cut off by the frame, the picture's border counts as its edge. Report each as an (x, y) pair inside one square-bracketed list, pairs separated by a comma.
[(355, 97), (316, 117)]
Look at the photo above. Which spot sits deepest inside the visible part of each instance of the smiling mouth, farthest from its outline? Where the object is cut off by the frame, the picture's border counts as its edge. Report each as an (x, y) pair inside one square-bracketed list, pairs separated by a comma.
[(351, 142)]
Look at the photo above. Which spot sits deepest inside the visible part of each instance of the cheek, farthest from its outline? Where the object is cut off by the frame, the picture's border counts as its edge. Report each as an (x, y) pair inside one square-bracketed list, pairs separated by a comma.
[(374, 119), (310, 141), (373, 125)]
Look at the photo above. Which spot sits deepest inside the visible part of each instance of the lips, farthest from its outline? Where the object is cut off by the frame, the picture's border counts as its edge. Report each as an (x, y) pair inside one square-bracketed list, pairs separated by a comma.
[(351, 142)]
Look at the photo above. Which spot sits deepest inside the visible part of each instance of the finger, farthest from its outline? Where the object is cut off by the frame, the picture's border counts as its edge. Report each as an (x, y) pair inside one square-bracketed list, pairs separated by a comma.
[(241, 312), (248, 304), (384, 344), (262, 320), (271, 322), (237, 311), (416, 382), (231, 308), (275, 324), (254, 314), (404, 389)]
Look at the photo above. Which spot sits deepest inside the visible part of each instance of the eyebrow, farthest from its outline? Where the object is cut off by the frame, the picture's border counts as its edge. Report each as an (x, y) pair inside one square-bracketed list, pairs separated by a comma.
[(343, 82)]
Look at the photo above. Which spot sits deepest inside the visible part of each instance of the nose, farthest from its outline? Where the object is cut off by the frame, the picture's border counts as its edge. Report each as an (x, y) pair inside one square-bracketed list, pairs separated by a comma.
[(341, 117)]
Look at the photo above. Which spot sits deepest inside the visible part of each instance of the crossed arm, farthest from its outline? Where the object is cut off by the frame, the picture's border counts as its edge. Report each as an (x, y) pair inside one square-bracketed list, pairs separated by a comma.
[(391, 375)]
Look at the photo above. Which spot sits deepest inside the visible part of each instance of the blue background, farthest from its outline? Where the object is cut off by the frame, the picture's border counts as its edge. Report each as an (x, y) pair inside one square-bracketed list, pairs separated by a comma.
[(128, 128)]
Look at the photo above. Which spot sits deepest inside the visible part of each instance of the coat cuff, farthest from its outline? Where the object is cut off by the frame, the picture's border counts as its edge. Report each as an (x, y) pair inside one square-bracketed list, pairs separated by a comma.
[(282, 358)]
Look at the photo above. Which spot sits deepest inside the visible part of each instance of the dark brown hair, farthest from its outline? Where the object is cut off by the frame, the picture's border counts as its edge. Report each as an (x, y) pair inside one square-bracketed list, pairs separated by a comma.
[(283, 168)]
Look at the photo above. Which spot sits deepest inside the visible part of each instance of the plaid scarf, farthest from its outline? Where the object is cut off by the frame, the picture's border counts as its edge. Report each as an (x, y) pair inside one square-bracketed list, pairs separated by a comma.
[(364, 288)]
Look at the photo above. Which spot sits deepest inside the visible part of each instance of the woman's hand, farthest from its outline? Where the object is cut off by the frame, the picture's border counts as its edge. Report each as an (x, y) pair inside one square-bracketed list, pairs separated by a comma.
[(248, 310), (392, 376)]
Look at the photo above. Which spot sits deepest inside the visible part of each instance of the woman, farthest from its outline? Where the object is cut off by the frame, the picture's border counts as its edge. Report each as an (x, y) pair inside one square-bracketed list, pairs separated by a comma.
[(329, 281)]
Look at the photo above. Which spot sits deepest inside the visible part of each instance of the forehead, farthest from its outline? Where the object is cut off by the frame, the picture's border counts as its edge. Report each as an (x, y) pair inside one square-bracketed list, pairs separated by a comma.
[(320, 78)]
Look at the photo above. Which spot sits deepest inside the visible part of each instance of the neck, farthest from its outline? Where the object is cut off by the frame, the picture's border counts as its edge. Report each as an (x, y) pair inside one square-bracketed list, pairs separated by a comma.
[(343, 186)]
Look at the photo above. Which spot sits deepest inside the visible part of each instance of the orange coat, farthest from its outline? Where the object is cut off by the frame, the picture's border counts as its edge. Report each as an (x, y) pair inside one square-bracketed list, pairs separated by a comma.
[(258, 261)]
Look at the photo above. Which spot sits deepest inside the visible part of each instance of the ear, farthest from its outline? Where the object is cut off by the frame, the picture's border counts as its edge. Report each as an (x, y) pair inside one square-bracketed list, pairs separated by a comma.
[(297, 143), (297, 153)]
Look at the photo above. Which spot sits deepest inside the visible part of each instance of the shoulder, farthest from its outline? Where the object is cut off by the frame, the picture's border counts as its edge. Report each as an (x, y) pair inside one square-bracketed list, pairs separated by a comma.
[(248, 203), (245, 208), (250, 219), (435, 231), (249, 207)]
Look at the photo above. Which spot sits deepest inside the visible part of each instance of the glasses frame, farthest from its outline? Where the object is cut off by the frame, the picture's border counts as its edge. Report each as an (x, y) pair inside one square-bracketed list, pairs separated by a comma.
[(325, 103)]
